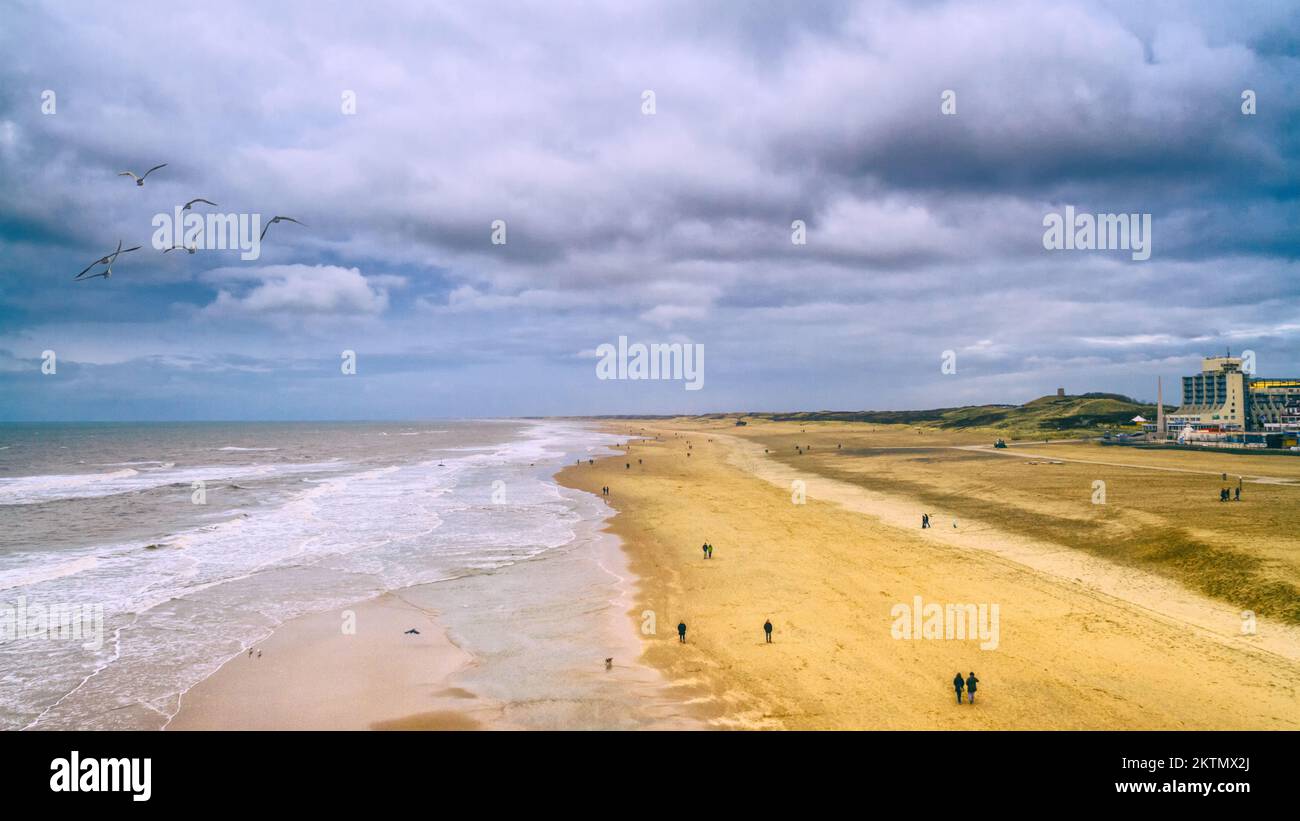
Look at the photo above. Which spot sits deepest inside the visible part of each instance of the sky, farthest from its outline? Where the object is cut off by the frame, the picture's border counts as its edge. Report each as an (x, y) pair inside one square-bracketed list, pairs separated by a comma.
[(921, 145)]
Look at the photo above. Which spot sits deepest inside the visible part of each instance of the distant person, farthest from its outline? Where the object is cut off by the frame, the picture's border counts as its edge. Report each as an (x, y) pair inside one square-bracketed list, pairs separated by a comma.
[(629, 466), (704, 548), (681, 632), (971, 683), (767, 630), (925, 520), (1236, 497), (609, 663), (710, 551), (958, 683)]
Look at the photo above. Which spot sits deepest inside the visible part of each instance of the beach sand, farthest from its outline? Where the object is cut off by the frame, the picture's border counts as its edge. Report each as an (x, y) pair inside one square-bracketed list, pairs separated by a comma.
[(1086, 640), (312, 675)]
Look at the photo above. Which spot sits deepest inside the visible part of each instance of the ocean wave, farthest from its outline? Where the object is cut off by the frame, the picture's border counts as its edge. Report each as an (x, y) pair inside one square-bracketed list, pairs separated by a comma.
[(27, 576), (42, 488), (237, 449), (184, 595)]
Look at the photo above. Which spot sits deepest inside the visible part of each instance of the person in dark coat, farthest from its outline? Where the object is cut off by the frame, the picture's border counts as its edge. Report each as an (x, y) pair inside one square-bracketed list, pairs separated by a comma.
[(971, 683), (767, 629), (681, 632), (958, 683)]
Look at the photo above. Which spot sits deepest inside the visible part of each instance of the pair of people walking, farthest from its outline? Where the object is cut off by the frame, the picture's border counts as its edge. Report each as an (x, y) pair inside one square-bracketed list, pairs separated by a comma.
[(708, 550), (969, 684)]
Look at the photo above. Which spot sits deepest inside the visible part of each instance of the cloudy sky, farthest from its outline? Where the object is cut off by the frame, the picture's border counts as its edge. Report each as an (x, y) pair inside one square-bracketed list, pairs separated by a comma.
[(924, 230)]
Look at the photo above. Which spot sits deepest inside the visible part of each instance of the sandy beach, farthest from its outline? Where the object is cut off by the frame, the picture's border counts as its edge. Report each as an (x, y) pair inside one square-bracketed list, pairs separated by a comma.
[(1086, 640), (824, 540)]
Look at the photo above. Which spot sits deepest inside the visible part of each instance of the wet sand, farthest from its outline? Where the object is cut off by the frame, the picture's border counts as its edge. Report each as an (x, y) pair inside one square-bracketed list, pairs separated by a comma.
[(521, 647), (313, 675)]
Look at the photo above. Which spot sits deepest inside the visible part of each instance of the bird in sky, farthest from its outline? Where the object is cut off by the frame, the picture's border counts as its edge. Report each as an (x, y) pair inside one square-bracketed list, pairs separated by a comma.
[(190, 204), (139, 180), (105, 260), (274, 220), (189, 249)]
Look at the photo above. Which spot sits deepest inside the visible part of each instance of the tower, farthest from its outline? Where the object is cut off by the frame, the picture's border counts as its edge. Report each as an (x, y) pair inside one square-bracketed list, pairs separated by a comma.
[(1160, 410)]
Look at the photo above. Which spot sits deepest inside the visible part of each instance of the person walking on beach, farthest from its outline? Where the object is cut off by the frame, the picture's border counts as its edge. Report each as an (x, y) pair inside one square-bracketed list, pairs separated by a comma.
[(767, 630), (1237, 494), (710, 549), (681, 634), (958, 682), (705, 548), (971, 683), (925, 520)]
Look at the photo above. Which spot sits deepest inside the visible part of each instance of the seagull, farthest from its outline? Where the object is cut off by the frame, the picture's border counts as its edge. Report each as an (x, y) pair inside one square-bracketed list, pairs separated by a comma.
[(274, 220), (189, 249), (140, 180), (412, 632), (196, 199), (106, 260)]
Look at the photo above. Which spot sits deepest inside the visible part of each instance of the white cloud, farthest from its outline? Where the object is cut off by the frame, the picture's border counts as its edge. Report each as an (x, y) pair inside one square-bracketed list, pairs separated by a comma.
[(299, 289)]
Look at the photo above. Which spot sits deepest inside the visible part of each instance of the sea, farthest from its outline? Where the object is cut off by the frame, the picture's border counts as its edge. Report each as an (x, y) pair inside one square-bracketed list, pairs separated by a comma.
[(193, 541)]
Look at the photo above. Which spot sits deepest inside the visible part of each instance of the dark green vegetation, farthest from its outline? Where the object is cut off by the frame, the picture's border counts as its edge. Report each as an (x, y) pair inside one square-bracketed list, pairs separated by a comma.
[(1089, 413)]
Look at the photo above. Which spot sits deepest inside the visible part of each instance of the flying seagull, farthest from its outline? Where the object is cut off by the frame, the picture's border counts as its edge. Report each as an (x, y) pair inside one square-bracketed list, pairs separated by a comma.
[(196, 199), (107, 260), (274, 220), (140, 180), (412, 632), (189, 249)]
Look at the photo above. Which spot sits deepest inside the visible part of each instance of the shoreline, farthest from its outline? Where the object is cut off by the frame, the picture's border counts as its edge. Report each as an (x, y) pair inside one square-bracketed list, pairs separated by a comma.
[(519, 647)]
